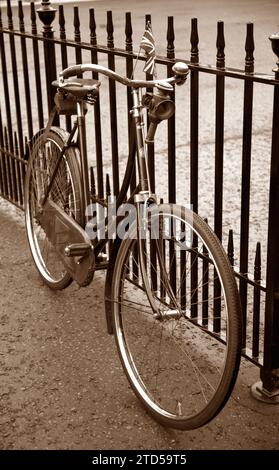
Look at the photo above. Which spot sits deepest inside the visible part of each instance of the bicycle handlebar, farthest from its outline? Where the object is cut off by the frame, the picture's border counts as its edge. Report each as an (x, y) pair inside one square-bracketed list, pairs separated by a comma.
[(180, 70)]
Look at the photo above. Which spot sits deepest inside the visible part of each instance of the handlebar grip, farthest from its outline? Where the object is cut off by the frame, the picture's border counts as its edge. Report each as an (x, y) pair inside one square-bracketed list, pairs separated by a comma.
[(151, 133), (180, 70), (71, 71)]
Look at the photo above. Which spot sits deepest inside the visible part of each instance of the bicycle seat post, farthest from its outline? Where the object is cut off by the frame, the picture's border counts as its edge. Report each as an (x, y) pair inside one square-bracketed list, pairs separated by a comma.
[(81, 109)]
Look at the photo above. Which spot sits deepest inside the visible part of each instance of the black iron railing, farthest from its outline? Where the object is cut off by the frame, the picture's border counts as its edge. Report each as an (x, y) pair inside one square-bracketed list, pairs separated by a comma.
[(30, 60)]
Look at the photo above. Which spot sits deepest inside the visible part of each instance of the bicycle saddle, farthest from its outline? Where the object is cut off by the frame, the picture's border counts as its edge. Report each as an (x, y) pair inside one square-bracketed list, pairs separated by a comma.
[(79, 87)]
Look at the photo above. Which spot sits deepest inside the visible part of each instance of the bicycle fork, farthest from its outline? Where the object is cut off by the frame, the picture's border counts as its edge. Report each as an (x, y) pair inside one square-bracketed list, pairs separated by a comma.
[(142, 201)]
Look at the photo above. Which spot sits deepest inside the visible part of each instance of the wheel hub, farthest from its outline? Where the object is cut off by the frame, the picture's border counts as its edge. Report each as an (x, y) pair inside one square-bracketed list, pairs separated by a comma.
[(168, 314)]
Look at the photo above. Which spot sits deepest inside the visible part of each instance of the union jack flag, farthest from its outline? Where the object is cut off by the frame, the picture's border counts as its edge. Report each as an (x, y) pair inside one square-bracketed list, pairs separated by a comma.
[(148, 45)]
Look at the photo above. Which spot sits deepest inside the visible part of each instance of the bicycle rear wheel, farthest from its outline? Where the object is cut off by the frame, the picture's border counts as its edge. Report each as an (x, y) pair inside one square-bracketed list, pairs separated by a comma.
[(181, 357), (65, 192)]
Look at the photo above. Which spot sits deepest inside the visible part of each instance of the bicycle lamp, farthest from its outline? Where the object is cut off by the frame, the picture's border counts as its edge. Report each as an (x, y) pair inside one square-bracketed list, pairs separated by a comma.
[(160, 107)]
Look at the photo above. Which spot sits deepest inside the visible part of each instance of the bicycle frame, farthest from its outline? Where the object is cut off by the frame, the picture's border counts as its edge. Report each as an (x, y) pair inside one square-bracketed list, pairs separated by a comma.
[(79, 126)]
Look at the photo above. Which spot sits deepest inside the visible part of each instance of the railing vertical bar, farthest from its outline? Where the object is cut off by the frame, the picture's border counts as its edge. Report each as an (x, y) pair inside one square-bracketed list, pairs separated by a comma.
[(8, 111), (205, 285), (21, 175), (7, 164), (37, 66), (10, 145), (246, 176), (77, 35), (129, 74), (22, 167), (19, 181), (25, 72), (271, 326), (150, 147), (162, 250), (108, 199), (219, 132), (5, 81), (194, 116), (23, 163), (219, 156), (13, 171), (97, 108), (15, 82), (113, 109), (171, 121), (64, 56), (171, 150), (92, 185), (183, 271), (230, 251), (15, 154), (194, 156), (205, 280), (3, 188), (194, 278), (63, 50), (92, 192), (256, 303), (47, 14)]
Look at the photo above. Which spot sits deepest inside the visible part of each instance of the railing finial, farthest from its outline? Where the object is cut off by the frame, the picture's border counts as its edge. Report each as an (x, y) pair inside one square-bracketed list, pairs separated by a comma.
[(128, 31), (170, 38), (92, 26), (77, 24), (33, 18), (62, 22), (220, 44), (194, 39), (249, 48), (46, 14), (110, 29), (274, 38)]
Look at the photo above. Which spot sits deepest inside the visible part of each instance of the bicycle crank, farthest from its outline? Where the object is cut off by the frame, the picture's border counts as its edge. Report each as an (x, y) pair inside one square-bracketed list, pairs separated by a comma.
[(70, 241)]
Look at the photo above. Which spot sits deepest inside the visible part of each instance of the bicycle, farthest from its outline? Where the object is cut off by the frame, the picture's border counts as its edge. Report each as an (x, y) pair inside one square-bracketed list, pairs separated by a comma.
[(171, 298)]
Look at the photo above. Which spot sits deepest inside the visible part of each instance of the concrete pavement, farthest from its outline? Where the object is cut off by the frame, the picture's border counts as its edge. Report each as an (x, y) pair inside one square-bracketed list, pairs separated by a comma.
[(62, 385)]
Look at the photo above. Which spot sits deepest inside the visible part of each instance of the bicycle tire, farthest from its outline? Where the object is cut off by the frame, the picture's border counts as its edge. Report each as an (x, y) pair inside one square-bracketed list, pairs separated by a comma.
[(66, 192), (180, 369)]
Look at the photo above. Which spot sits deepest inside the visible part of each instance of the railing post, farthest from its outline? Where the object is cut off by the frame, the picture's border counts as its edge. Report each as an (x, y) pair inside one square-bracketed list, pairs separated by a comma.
[(194, 117), (268, 389), (246, 176), (47, 14)]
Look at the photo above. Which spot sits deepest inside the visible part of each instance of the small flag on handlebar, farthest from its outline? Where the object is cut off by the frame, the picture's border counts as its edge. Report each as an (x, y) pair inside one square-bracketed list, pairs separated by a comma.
[(148, 45)]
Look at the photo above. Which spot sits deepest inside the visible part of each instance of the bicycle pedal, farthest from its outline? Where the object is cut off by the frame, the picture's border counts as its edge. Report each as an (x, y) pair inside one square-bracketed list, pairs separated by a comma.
[(77, 249)]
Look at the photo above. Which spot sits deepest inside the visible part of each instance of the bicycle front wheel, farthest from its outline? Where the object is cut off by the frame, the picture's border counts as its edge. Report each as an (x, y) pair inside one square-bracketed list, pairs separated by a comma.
[(65, 192), (181, 349)]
